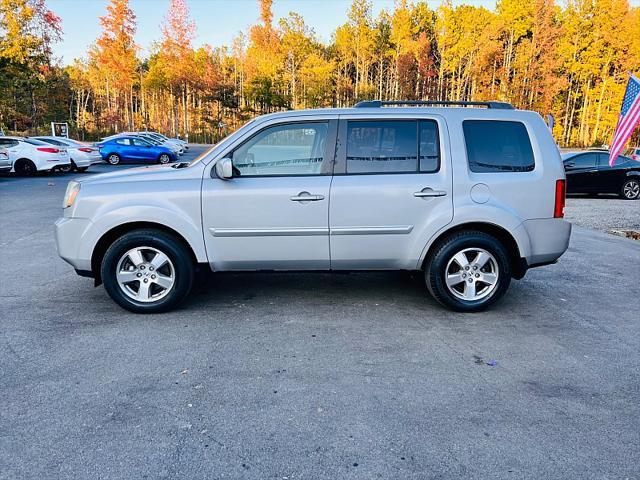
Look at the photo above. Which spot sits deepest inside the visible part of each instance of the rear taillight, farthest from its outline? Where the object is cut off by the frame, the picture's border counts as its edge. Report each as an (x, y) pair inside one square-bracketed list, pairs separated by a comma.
[(86, 150), (48, 150), (558, 209)]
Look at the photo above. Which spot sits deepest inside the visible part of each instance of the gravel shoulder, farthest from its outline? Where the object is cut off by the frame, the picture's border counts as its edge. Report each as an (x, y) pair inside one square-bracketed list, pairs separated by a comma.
[(603, 213)]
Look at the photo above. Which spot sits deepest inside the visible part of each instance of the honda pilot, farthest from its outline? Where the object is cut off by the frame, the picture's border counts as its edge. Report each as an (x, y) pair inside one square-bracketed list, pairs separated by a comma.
[(469, 194)]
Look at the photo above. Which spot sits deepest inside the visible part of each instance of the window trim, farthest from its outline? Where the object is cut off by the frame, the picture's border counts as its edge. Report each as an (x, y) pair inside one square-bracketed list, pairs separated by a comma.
[(466, 151), (326, 166), (340, 168)]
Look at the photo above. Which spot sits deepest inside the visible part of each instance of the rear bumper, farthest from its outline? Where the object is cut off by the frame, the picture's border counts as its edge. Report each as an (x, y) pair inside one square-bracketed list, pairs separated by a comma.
[(87, 160), (549, 239), (46, 166)]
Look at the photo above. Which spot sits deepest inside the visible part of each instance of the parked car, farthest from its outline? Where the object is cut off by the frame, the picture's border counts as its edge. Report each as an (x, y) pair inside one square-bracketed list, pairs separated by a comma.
[(176, 149), (82, 156), (177, 141), (366, 188), (589, 172), (134, 149), (30, 156), (5, 161)]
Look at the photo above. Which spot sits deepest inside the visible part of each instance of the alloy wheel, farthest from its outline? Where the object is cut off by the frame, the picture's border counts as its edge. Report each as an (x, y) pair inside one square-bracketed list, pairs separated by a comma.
[(472, 274), (145, 274), (631, 189)]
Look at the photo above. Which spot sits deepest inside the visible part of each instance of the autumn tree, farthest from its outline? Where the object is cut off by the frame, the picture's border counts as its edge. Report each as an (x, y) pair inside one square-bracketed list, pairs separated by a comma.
[(28, 83), (558, 58), (113, 65)]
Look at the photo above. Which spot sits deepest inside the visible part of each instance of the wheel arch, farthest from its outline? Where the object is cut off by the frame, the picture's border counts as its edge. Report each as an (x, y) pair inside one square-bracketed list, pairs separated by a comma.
[(111, 235), (518, 264)]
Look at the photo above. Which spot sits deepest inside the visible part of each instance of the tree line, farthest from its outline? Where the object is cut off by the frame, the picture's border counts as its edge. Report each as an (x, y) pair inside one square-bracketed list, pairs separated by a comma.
[(571, 61)]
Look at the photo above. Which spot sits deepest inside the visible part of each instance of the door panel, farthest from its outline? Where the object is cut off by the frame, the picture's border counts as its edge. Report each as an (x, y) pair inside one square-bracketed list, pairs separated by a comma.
[(383, 220), (253, 223), (609, 179), (272, 215), (580, 171)]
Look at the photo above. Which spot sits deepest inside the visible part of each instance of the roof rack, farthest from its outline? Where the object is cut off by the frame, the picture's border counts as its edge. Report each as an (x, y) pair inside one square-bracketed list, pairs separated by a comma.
[(380, 103)]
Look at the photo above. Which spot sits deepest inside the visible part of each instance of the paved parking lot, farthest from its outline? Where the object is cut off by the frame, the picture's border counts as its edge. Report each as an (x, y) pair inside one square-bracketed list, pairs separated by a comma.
[(315, 376)]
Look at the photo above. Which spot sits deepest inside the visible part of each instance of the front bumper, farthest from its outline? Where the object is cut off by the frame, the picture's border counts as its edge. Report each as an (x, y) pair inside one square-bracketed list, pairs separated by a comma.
[(69, 233)]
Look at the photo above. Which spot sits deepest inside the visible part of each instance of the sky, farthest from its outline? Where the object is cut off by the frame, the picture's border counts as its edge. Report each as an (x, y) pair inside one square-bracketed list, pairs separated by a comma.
[(217, 21)]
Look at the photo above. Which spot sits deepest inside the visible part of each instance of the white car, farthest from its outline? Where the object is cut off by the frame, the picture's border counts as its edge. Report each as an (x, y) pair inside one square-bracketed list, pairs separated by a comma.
[(177, 141), (5, 161), (175, 147), (30, 156), (82, 155)]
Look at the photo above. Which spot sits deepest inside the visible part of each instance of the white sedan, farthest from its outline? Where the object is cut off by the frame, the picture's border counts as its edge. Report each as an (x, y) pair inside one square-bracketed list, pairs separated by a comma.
[(5, 161), (82, 155), (30, 156)]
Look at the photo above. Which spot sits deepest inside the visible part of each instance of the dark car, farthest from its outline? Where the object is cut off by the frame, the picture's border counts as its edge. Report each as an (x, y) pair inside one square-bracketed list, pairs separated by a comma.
[(589, 172), (134, 149)]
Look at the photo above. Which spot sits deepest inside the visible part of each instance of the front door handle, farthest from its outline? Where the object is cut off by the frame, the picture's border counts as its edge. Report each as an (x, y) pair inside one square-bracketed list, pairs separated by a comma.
[(429, 192), (306, 197)]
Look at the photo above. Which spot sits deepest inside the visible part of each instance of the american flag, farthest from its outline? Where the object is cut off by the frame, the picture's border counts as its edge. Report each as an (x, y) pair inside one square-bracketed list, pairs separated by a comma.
[(629, 118)]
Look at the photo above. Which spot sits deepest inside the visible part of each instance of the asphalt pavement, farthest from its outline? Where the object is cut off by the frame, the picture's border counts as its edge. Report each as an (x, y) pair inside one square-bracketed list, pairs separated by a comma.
[(315, 376)]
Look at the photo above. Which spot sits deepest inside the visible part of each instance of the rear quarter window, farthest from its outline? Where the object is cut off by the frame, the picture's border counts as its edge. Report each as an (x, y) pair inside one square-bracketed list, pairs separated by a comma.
[(497, 146)]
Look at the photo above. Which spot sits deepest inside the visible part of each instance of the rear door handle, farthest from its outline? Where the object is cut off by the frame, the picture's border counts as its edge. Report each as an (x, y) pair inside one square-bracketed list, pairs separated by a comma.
[(429, 192), (306, 197)]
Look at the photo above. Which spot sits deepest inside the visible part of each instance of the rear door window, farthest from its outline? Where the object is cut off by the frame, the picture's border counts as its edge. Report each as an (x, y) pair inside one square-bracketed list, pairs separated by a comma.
[(382, 147), (392, 146), (497, 146)]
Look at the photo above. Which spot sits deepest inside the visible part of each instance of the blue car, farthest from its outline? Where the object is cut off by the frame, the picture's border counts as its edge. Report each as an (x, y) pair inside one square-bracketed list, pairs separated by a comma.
[(134, 149)]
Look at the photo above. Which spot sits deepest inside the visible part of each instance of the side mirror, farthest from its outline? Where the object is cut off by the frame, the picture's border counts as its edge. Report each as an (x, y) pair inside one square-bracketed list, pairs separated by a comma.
[(224, 168)]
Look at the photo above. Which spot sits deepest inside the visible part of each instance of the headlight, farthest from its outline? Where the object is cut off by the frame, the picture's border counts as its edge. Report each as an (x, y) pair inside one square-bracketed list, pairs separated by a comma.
[(73, 188)]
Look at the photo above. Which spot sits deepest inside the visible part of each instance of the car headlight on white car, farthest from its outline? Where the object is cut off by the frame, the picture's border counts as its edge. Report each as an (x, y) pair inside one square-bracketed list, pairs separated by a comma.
[(73, 188)]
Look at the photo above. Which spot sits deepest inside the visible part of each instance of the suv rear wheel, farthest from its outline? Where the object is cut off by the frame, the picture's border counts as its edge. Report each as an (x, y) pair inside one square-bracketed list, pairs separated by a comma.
[(147, 271), (468, 271)]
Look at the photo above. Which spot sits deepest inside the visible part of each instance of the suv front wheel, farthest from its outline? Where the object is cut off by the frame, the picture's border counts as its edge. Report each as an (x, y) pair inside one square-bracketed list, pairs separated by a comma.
[(147, 271), (468, 271)]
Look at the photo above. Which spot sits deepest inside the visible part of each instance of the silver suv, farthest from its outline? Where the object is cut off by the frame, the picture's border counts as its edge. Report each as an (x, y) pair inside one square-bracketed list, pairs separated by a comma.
[(471, 197)]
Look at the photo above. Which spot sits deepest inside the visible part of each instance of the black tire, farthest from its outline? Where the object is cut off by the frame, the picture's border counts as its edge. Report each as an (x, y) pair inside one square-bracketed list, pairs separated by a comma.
[(113, 159), (439, 266), (82, 169), (630, 189), (164, 158), (25, 167), (174, 249), (67, 168)]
